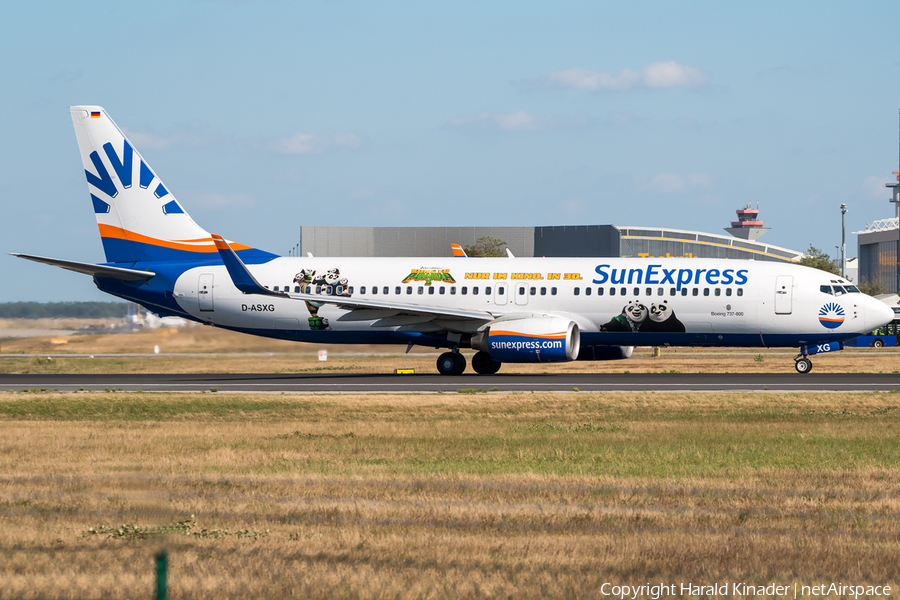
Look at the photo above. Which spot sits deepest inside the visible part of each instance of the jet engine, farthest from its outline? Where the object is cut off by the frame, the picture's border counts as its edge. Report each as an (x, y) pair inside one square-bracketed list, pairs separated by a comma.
[(537, 339)]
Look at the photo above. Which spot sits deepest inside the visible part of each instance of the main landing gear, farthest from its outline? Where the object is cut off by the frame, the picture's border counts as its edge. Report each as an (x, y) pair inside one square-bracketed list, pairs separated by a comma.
[(483, 364), (802, 364), (451, 363), (454, 363)]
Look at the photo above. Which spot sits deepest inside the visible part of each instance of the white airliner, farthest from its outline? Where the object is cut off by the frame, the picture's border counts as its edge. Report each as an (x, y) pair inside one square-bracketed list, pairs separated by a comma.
[(508, 309)]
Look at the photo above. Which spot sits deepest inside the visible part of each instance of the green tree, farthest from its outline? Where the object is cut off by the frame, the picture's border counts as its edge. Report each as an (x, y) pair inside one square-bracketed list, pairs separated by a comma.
[(817, 259), (486, 246), (870, 287)]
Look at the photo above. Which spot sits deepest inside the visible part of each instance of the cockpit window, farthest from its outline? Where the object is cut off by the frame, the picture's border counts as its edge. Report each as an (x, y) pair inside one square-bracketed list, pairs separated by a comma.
[(852, 289), (825, 289), (839, 290)]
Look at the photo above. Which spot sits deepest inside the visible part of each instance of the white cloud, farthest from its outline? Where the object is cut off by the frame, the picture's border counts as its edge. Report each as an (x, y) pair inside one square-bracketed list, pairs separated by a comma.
[(518, 121), (674, 183), (873, 186), (658, 75), (313, 143)]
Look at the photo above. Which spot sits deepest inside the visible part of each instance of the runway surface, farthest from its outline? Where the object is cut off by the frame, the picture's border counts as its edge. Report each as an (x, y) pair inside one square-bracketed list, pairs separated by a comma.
[(606, 382)]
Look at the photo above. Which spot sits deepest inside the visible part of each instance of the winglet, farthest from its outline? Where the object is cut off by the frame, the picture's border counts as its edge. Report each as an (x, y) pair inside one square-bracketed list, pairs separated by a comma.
[(509, 253), (237, 270), (458, 250)]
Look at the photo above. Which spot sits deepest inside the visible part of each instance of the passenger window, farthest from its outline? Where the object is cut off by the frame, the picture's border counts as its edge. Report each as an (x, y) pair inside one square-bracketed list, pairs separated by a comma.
[(318, 289), (718, 292), (599, 291), (727, 291), (309, 289), (672, 291), (706, 291), (431, 290), (825, 289), (487, 290), (543, 291), (684, 291), (409, 290), (649, 291), (740, 292), (695, 292), (386, 290), (501, 290), (362, 290), (587, 291), (350, 290), (637, 291), (328, 290), (660, 292), (553, 291), (623, 292), (275, 289), (465, 290), (612, 291), (421, 290), (374, 290), (474, 290), (577, 291), (443, 290), (452, 290)]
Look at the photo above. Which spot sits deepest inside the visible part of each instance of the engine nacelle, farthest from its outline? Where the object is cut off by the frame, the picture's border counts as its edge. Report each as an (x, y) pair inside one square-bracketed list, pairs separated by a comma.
[(538, 339)]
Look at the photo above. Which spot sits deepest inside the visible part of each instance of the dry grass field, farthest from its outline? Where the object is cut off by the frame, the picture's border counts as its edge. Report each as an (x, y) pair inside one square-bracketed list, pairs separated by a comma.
[(443, 496), (203, 349)]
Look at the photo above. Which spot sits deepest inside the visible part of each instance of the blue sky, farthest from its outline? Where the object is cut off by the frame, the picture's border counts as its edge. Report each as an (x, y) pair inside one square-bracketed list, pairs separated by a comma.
[(262, 116)]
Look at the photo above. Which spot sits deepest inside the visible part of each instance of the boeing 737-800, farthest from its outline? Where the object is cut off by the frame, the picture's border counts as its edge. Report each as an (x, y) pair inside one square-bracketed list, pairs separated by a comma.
[(507, 309)]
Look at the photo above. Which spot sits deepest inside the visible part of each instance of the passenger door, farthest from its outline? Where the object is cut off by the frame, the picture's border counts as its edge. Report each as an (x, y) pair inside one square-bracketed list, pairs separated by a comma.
[(784, 285), (205, 292)]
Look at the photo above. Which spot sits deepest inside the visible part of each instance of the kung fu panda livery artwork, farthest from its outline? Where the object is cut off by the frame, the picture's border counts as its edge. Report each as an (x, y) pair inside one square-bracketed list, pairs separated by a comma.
[(630, 319), (328, 283), (637, 318), (661, 318)]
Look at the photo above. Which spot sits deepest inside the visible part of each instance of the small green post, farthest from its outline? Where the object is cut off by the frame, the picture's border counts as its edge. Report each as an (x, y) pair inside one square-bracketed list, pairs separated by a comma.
[(162, 560)]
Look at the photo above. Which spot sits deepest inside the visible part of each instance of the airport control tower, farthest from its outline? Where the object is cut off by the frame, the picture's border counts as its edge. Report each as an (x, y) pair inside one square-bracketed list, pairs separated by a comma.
[(748, 226)]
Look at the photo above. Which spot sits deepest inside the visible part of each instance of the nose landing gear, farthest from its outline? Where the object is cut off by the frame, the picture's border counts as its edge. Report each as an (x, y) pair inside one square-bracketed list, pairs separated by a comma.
[(803, 364)]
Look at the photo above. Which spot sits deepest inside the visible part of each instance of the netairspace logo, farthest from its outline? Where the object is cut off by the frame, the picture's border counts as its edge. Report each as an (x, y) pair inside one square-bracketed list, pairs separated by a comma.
[(738, 590), (831, 315)]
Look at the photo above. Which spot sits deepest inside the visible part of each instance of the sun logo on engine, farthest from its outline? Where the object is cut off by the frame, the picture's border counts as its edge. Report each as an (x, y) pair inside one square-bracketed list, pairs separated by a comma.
[(831, 315)]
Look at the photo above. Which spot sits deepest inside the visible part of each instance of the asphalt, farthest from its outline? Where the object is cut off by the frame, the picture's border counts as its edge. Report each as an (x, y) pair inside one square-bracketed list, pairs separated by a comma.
[(606, 382)]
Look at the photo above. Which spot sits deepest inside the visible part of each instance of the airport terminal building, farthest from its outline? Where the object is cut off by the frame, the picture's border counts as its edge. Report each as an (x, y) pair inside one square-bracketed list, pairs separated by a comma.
[(558, 241)]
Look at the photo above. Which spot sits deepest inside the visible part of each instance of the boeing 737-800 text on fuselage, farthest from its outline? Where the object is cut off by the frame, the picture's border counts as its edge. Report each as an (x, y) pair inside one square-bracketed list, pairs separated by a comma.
[(508, 309)]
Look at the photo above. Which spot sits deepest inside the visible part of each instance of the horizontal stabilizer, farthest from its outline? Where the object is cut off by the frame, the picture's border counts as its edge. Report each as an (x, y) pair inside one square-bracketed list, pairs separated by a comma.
[(242, 278), (119, 273)]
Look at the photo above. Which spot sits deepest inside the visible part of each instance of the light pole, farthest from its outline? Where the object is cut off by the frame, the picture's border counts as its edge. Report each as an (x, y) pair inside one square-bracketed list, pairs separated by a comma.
[(843, 241)]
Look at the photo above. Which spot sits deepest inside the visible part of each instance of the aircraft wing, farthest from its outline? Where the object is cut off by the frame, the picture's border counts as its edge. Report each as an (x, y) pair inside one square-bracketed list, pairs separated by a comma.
[(91, 269), (244, 281)]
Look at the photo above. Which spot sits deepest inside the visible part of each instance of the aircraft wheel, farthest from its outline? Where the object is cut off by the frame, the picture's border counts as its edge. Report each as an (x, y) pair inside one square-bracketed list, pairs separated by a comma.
[(451, 363), (878, 344), (483, 364), (803, 365)]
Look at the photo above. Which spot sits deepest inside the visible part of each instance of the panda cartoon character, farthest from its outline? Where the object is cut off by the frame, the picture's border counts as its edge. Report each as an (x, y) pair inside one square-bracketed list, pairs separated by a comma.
[(305, 276), (332, 277), (343, 285), (662, 319), (633, 314)]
